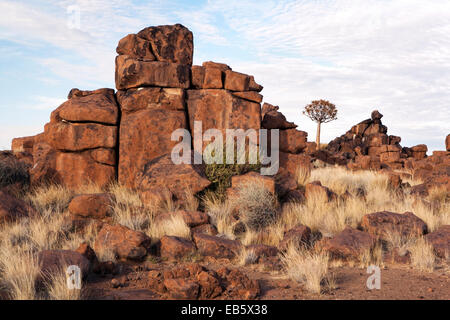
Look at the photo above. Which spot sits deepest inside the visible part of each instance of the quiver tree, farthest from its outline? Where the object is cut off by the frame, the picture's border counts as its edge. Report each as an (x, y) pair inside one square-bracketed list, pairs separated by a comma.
[(320, 111)]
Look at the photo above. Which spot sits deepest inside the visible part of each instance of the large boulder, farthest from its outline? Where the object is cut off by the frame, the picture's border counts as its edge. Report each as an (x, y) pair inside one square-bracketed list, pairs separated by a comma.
[(80, 136), (97, 106), (52, 262), (220, 109), (381, 224), (349, 244), (75, 169), (216, 247), (144, 137), (171, 43), (447, 143), (174, 248), (135, 47), (122, 241), (162, 174), (133, 73), (97, 205)]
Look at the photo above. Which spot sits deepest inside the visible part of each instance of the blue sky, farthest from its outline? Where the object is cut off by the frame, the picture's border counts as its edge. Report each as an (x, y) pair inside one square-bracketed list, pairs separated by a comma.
[(360, 54)]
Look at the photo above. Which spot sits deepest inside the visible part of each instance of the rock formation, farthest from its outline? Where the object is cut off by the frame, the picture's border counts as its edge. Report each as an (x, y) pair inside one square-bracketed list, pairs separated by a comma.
[(101, 135)]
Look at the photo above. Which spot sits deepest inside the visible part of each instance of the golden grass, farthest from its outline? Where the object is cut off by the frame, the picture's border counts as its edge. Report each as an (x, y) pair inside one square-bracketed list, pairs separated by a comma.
[(57, 288), (220, 213), (302, 175), (422, 255), (19, 270), (172, 226), (50, 198), (309, 268), (246, 257), (372, 256)]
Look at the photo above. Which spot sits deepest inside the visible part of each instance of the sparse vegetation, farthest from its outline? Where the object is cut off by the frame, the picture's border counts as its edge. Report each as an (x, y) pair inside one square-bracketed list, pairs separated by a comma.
[(256, 205), (305, 266)]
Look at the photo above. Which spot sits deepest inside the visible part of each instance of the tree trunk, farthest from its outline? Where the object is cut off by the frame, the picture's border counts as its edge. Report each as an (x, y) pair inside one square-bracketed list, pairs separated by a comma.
[(318, 136)]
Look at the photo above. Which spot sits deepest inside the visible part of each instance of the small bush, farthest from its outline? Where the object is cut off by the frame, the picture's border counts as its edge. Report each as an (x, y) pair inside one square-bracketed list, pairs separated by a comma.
[(306, 267), (220, 175), (13, 171), (257, 206)]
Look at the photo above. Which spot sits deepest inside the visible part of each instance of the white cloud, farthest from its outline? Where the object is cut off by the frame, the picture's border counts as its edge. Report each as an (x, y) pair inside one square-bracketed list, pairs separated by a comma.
[(360, 54)]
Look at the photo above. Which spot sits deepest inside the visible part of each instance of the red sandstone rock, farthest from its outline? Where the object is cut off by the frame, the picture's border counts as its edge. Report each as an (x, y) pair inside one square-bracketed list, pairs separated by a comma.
[(381, 223), (162, 174), (96, 206), (56, 261), (23, 144), (182, 289), (350, 243), (292, 140), (249, 95), (192, 218), (197, 76), (216, 247), (135, 47), (212, 79), (80, 136), (217, 65), (253, 177), (171, 43), (206, 229), (221, 110), (447, 143), (176, 248), (253, 86), (144, 137), (124, 242), (75, 169), (132, 73), (235, 81), (133, 100), (99, 107)]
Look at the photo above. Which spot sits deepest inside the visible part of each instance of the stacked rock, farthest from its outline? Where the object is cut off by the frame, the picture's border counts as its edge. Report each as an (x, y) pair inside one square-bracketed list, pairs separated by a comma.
[(79, 143)]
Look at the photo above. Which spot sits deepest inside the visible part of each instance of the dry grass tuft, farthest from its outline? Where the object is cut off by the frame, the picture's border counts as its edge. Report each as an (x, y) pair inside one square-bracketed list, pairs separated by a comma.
[(247, 257), (422, 255), (173, 226), (19, 270), (50, 198), (302, 175), (58, 289), (220, 212), (307, 267)]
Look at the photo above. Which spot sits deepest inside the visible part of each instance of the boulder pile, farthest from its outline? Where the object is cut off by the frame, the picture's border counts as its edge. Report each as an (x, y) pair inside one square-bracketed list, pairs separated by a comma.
[(103, 135)]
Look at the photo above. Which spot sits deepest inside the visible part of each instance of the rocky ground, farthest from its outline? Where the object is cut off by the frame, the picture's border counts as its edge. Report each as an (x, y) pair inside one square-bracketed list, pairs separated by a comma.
[(98, 189)]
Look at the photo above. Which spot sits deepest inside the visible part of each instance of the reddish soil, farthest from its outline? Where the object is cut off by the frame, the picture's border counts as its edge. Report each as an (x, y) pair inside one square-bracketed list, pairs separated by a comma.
[(398, 282)]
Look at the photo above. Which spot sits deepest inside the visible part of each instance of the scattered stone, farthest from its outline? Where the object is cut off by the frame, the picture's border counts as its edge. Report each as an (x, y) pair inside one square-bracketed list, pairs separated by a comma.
[(124, 242), (216, 247), (96, 206), (173, 248), (349, 244), (382, 223)]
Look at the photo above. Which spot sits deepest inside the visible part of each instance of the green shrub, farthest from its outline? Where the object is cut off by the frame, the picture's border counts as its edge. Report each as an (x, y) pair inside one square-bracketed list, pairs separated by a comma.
[(220, 175)]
